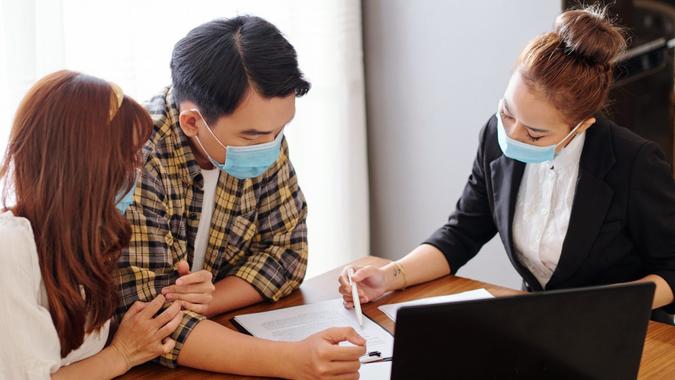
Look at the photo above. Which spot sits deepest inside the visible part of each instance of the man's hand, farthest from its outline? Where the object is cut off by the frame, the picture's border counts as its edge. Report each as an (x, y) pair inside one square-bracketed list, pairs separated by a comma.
[(193, 290)]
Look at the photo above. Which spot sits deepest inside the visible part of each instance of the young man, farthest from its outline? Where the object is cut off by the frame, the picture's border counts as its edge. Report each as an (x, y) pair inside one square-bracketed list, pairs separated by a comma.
[(218, 220)]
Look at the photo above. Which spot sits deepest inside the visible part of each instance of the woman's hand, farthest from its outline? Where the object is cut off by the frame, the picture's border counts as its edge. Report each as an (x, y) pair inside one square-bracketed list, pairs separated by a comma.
[(370, 281), (140, 337), (321, 357)]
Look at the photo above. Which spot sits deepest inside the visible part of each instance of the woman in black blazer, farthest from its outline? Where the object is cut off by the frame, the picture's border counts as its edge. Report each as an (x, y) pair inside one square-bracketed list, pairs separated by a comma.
[(607, 217)]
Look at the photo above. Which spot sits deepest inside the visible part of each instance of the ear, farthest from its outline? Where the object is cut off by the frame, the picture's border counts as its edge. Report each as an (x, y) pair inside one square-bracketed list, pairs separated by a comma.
[(188, 120), (579, 130), (585, 125)]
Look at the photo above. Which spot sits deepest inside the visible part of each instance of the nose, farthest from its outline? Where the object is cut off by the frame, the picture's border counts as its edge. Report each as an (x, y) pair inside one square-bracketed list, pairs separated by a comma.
[(515, 131)]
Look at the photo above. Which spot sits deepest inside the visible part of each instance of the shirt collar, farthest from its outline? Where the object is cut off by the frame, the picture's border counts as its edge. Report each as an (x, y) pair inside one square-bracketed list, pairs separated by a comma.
[(571, 154)]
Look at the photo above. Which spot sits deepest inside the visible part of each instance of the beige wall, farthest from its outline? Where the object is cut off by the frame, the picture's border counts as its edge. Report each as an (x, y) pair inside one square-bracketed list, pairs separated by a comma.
[(434, 73)]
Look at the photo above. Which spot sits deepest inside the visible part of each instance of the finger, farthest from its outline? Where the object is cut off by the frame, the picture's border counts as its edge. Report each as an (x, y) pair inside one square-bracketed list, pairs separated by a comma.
[(346, 353), (168, 345), (203, 287), (344, 277), (336, 335), (364, 273), (183, 268), (167, 315), (347, 289), (348, 305), (197, 308), (190, 297), (153, 307), (346, 294), (343, 280), (168, 289), (134, 309), (170, 327), (195, 278)]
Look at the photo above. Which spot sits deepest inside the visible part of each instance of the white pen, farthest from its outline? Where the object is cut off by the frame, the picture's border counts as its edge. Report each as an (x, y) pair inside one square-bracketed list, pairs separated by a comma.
[(355, 296)]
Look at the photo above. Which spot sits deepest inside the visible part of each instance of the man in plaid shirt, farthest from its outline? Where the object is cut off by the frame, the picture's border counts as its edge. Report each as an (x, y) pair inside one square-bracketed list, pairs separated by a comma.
[(218, 219)]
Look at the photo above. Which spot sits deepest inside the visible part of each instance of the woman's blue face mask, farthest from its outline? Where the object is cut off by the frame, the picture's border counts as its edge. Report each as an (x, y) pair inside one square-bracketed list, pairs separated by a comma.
[(527, 153), (125, 200)]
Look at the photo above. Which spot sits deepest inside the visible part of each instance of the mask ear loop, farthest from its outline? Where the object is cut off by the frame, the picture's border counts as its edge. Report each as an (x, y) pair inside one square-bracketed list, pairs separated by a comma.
[(573, 133), (199, 141), (208, 127)]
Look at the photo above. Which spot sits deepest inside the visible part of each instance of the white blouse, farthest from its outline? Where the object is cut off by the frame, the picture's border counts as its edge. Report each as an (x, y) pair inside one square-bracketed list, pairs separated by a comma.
[(31, 347), (543, 210)]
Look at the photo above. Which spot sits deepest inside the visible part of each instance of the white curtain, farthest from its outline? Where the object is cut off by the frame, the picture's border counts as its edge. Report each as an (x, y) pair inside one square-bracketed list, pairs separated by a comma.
[(130, 42)]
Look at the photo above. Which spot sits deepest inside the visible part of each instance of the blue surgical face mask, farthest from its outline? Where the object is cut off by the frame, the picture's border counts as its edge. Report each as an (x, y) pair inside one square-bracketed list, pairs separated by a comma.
[(245, 161), (529, 154), (126, 200)]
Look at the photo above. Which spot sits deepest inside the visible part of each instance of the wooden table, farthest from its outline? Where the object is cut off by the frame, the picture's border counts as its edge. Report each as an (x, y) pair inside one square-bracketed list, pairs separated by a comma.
[(658, 358)]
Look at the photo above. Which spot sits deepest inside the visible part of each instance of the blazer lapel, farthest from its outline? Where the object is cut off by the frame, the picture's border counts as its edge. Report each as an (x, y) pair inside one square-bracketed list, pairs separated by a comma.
[(506, 176), (591, 201)]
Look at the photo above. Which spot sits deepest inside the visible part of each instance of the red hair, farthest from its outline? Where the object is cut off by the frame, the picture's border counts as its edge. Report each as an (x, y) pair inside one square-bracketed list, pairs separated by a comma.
[(66, 162), (572, 66)]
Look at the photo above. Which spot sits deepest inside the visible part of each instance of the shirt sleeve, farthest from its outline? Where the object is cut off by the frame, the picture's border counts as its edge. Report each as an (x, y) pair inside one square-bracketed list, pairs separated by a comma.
[(276, 260), (652, 213), (32, 349), (471, 225), (147, 265)]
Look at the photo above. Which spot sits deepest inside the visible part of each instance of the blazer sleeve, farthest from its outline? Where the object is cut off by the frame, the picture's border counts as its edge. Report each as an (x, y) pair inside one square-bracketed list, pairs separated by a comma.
[(651, 212), (471, 225)]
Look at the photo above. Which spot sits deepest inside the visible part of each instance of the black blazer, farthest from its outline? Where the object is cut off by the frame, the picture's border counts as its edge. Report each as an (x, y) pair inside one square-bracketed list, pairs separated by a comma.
[(622, 224)]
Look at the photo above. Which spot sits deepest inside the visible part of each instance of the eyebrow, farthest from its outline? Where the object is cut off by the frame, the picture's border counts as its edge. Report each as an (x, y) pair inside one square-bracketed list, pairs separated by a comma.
[(252, 132), (255, 132), (506, 106)]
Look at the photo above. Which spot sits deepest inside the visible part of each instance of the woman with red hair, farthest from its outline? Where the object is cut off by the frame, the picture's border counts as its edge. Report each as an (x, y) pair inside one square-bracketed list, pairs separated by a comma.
[(73, 150)]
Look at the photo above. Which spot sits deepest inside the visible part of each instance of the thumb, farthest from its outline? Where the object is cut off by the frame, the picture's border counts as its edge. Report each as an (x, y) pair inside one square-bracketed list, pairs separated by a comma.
[(183, 268), (364, 273), (336, 335)]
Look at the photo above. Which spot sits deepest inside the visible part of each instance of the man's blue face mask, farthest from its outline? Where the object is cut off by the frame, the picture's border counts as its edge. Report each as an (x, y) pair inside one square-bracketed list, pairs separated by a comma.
[(245, 161)]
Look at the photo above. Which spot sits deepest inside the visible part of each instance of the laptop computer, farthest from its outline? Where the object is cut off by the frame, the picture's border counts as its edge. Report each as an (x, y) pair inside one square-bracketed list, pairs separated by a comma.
[(584, 333)]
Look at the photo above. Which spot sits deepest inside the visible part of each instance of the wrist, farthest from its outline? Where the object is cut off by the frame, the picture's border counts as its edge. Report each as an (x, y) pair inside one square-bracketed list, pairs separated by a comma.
[(116, 360), (394, 279), (285, 356)]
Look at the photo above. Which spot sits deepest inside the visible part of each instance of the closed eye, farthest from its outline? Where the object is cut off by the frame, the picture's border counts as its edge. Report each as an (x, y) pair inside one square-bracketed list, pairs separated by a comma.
[(506, 116), (533, 138)]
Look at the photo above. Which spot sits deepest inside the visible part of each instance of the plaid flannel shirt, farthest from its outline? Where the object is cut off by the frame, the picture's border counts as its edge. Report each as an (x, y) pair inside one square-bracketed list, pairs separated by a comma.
[(258, 228)]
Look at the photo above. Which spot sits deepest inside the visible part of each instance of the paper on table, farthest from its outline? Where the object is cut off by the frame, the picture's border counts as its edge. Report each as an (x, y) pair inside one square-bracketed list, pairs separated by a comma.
[(375, 371), (299, 322), (391, 309)]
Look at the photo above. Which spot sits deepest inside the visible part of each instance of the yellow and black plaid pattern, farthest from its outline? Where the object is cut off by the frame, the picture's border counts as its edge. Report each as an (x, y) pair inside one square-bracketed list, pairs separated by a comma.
[(258, 228)]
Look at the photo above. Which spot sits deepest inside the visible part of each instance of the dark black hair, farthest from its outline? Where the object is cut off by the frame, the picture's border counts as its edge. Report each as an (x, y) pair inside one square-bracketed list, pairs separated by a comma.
[(215, 64)]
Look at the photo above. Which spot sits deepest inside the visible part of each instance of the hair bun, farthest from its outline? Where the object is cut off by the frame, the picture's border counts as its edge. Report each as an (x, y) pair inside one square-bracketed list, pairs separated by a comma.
[(588, 34)]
